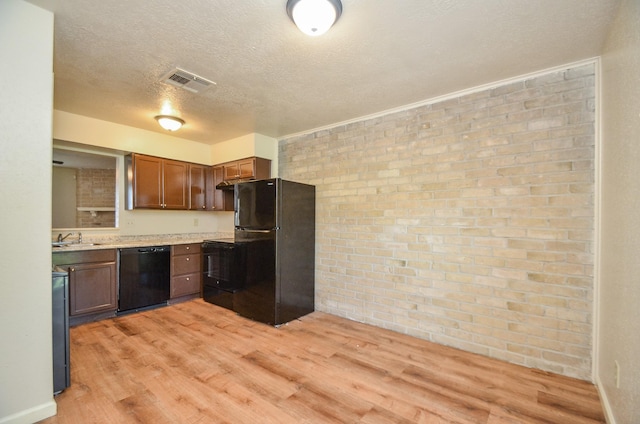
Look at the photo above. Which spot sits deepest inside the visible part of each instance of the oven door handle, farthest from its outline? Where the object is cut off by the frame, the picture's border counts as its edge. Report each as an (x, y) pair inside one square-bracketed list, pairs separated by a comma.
[(257, 231)]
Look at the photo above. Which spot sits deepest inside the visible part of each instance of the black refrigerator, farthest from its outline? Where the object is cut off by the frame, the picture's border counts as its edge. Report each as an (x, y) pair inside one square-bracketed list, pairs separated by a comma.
[(275, 227)]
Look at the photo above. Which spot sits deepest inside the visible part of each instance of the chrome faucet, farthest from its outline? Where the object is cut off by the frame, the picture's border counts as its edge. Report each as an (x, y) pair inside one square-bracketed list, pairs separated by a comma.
[(61, 239)]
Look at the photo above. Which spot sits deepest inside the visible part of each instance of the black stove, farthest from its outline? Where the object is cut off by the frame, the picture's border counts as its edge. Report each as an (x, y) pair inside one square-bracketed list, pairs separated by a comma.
[(222, 266), (220, 240)]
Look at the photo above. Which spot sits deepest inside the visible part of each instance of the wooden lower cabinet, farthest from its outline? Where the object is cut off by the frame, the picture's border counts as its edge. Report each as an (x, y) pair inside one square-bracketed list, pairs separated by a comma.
[(186, 270), (92, 281), (92, 288)]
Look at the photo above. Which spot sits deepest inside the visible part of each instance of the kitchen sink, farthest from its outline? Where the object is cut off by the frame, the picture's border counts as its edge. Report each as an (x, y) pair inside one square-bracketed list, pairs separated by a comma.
[(71, 244)]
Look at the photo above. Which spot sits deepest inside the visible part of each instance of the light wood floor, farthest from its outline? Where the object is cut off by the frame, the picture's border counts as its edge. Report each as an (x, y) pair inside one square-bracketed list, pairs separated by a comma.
[(197, 363)]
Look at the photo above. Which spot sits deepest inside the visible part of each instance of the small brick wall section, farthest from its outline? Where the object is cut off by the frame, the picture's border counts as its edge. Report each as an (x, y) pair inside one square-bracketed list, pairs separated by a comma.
[(468, 222), (96, 187)]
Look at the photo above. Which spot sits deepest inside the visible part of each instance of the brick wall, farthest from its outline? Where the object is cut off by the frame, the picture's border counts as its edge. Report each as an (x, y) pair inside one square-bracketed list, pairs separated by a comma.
[(468, 222), (95, 187)]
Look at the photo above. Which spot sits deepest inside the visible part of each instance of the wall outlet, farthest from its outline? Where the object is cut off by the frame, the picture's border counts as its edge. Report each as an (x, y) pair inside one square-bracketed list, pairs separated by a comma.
[(617, 376), (195, 222)]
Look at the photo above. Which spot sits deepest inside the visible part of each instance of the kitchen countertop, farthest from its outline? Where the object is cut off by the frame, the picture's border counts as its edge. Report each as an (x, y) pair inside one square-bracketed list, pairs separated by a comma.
[(139, 241)]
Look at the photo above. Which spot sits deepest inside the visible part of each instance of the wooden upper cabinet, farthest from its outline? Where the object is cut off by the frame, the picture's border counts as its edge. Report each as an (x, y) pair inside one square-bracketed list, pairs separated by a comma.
[(255, 168), (216, 199), (231, 171), (147, 182), (247, 168), (175, 183), (197, 187), (159, 183)]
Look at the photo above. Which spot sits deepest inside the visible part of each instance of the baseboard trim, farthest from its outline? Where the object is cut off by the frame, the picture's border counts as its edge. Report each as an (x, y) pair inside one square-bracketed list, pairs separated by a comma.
[(32, 415), (606, 406)]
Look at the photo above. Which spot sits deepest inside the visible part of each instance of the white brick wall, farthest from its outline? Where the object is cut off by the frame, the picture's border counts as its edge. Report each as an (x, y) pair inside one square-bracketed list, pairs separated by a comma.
[(468, 222)]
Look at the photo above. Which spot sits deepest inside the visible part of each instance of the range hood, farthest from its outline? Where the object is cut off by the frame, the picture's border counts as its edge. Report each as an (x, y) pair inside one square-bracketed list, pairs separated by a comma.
[(228, 185)]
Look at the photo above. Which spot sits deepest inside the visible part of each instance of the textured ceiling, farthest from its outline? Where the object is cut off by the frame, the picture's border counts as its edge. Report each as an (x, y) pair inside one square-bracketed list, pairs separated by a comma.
[(274, 80)]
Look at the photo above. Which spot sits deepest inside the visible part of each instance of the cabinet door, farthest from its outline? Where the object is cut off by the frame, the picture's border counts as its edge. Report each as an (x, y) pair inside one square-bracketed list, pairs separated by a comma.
[(210, 188), (92, 288), (246, 168), (231, 171), (197, 187), (147, 182), (217, 200), (262, 168), (175, 184)]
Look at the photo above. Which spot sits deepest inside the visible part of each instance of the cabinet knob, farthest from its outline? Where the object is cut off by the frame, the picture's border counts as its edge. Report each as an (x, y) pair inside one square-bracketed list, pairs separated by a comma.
[(72, 269), (188, 259), (188, 278)]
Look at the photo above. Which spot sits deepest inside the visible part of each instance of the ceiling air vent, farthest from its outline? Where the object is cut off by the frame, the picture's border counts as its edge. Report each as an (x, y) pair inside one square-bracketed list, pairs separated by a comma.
[(184, 79)]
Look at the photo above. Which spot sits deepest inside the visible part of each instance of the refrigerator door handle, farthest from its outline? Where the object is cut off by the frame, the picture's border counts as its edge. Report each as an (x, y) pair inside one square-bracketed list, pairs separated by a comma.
[(236, 210)]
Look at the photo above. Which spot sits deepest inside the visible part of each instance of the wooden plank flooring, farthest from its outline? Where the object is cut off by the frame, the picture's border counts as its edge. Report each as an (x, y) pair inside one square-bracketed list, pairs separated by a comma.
[(194, 362)]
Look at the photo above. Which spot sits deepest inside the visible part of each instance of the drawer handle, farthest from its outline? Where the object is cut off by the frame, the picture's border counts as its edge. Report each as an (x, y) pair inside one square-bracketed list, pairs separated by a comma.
[(188, 259), (188, 247)]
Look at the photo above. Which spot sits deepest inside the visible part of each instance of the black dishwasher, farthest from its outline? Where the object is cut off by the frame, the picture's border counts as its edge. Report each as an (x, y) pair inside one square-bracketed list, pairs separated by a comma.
[(145, 277)]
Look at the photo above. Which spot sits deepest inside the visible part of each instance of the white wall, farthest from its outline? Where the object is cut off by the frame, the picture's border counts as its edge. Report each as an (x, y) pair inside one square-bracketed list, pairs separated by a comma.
[(95, 132), (619, 331), (26, 53), (63, 203), (245, 146)]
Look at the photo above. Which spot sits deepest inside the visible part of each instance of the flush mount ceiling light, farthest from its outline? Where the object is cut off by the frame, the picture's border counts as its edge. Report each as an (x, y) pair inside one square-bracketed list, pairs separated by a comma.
[(169, 123), (314, 17)]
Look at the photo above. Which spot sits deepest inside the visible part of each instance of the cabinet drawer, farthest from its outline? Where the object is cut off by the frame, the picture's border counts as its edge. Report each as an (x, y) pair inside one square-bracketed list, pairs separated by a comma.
[(84, 256), (185, 264), (186, 249), (185, 284)]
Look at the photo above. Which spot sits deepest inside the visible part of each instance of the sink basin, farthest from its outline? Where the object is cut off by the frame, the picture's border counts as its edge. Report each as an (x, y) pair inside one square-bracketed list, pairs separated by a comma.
[(80, 245)]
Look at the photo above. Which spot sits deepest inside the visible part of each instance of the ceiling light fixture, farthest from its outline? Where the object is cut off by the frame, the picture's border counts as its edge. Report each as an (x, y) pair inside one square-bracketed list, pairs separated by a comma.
[(169, 123), (314, 17)]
